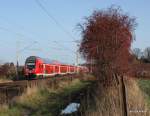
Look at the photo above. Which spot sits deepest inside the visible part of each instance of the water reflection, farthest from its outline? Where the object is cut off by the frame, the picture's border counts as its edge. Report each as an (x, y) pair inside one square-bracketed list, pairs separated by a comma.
[(72, 107)]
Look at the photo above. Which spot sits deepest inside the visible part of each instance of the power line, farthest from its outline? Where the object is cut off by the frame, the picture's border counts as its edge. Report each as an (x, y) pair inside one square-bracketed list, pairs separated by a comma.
[(27, 46), (50, 16), (12, 22), (16, 33), (68, 42), (6, 29), (76, 53), (20, 27), (54, 19), (63, 46), (30, 45)]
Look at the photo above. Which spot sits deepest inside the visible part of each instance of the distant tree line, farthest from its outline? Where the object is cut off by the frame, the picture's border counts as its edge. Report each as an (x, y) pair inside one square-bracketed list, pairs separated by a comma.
[(142, 55), (8, 71)]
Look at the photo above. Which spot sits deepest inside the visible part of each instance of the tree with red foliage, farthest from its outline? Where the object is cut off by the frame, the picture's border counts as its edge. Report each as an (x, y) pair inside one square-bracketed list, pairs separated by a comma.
[(107, 37)]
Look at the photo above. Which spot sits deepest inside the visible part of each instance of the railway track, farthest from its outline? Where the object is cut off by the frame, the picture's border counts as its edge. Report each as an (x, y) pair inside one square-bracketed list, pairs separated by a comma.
[(9, 90), (22, 82), (13, 83)]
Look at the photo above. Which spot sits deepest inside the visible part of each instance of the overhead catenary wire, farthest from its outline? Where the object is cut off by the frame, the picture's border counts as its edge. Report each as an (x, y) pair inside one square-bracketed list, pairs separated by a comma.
[(63, 46), (34, 41), (6, 29), (16, 33), (19, 26), (19, 34), (76, 53), (58, 47), (23, 28), (26, 47), (54, 19), (38, 2)]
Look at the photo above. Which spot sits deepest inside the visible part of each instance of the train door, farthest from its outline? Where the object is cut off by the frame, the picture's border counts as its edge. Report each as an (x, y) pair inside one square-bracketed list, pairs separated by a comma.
[(56, 69), (44, 72)]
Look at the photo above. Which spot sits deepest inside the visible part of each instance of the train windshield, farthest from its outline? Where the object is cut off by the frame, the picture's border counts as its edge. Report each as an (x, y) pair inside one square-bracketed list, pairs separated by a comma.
[(30, 65), (30, 62)]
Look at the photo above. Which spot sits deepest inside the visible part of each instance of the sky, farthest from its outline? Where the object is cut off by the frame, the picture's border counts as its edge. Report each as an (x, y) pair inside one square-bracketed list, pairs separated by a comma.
[(25, 29)]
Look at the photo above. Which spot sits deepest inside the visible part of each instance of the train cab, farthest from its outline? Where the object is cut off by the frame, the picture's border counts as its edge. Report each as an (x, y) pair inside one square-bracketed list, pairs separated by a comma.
[(33, 67)]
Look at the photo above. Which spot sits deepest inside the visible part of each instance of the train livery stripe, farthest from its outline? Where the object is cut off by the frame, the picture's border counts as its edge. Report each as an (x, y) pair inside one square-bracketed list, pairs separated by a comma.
[(39, 74)]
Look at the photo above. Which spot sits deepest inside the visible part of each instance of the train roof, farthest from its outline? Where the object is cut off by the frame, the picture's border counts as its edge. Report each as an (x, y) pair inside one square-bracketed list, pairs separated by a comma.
[(45, 60), (48, 61)]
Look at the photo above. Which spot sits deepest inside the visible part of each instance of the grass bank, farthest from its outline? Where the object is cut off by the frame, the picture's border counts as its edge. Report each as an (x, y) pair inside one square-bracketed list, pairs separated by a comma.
[(44, 101), (3, 79), (107, 100), (145, 87)]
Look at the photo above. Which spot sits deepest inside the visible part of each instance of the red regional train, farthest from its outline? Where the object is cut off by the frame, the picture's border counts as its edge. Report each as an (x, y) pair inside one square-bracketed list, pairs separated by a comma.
[(40, 67)]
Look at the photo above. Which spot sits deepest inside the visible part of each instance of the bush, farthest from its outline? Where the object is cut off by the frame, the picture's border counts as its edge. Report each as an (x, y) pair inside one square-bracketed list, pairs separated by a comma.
[(7, 71)]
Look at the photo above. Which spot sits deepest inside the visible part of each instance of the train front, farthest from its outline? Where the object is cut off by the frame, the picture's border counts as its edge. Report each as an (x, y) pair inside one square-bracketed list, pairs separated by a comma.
[(30, 66)]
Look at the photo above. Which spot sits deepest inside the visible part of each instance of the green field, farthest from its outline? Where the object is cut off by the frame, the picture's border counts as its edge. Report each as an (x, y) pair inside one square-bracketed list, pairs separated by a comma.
[(145, 86)]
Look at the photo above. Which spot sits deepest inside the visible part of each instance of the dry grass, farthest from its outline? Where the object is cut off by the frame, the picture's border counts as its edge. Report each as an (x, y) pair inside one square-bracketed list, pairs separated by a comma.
[(136, 100), (87, 77), (5, 80), (3, 107), (32, 93), (108, 101), (40, 97)]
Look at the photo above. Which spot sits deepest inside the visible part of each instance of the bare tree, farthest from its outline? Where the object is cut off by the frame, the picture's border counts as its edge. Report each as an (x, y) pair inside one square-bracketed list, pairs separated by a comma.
[(7, 70), (137, 53), (147, 54)]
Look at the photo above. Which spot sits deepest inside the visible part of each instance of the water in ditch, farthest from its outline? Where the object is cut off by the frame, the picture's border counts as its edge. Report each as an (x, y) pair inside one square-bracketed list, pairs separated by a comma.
[(71, 108)]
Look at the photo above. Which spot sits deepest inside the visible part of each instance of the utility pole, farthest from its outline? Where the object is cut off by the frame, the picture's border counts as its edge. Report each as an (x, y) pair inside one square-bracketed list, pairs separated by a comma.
[(77, 58), (77, 42), (77, 54), (19, 51), (17, 59)]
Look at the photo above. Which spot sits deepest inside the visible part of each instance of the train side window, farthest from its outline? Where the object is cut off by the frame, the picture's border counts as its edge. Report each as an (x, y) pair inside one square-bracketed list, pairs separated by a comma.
[(40, 66)]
